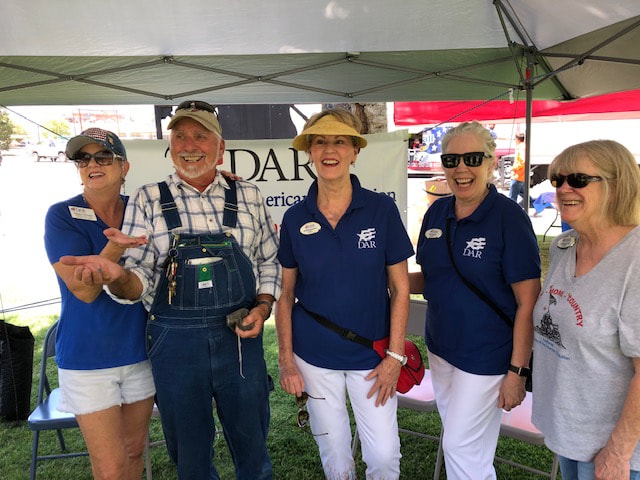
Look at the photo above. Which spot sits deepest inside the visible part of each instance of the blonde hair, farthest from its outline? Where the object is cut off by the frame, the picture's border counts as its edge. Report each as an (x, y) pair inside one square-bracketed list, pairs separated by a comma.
[(617, 165), (475, 128)]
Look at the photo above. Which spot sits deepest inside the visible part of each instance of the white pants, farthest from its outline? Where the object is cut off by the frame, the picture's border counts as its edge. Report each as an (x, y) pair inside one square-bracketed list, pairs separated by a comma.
[(470, 419), (377, 426)]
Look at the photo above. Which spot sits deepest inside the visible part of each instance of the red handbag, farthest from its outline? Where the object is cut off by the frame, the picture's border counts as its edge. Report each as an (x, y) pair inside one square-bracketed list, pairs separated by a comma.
[(411, 372)]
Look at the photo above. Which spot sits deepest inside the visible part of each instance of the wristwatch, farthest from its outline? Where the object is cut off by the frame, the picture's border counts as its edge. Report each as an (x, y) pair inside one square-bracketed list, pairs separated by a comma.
[(268, 303), (401, 358), (522, 371)]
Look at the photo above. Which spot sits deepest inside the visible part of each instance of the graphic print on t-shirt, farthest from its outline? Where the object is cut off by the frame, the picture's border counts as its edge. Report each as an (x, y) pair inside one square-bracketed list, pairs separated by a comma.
[(546, 327)]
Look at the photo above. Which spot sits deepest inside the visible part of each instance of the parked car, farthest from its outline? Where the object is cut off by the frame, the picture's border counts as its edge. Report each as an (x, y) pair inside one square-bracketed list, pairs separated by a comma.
[(49, 149)]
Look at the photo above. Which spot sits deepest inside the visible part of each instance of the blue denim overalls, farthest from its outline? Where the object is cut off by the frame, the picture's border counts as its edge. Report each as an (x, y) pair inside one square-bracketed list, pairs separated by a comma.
[(196, 358)]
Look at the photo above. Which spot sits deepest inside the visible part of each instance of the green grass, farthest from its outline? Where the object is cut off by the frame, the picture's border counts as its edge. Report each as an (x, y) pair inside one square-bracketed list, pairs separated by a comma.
[(293, 452)]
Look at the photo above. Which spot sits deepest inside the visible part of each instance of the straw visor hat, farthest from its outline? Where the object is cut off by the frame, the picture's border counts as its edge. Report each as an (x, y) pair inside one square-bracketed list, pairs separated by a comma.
[(327, 125)]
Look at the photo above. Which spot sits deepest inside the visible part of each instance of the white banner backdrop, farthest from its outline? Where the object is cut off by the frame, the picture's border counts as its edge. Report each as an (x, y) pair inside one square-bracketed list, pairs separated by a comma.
[(282, 173)]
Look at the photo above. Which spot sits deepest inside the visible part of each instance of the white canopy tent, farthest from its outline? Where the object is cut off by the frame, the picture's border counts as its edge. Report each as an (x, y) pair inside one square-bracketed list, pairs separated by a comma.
[(314, 51)]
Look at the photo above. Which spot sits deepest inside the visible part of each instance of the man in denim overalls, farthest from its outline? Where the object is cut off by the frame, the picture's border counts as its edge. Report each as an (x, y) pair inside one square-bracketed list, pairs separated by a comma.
[(211, 252)]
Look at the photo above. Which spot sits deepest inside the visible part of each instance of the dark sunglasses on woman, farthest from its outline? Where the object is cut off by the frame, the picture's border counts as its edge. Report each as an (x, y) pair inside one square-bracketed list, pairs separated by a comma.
[(103, 158), (575, 180), (471, 159)]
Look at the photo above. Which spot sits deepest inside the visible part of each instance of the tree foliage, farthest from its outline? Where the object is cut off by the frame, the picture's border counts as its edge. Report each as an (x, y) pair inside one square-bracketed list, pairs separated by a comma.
[(6, 129), (19, 129), (60, 127)]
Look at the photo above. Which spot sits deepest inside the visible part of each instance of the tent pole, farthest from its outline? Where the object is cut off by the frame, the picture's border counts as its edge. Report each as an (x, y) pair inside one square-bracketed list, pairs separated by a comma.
[(527, 145)]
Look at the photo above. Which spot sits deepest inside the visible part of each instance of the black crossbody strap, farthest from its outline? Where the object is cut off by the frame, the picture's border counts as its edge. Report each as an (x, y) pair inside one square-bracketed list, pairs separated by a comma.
[(472, 287), (343, 332)]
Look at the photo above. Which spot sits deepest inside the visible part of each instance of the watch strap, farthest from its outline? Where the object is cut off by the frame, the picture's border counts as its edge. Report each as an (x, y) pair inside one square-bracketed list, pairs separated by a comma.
[(268, 303), (521, 371)]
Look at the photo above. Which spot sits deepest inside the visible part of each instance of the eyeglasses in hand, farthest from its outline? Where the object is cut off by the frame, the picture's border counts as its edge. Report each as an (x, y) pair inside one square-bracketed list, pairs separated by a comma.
[(303, 415)]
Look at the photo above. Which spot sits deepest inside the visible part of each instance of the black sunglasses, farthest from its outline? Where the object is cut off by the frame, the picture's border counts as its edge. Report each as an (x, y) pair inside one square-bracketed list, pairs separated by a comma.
[(303, 415), (471, 159), (575, 180), (196, 105), (103, 158)]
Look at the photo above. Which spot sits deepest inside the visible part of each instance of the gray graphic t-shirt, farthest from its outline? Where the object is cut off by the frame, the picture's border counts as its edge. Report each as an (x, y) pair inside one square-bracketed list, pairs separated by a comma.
[(587, 330)]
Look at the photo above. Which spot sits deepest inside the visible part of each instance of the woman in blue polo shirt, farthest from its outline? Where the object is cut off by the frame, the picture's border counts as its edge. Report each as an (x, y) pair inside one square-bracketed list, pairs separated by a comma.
[(105, 377), (477, 356), (344, 255)]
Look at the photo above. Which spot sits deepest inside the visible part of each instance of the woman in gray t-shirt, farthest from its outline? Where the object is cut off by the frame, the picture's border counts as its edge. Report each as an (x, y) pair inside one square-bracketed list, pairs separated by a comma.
[(586, 381)]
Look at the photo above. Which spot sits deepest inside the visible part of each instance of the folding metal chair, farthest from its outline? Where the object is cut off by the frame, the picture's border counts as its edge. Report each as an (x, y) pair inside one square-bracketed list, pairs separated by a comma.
[(517, 424), (46, 415)]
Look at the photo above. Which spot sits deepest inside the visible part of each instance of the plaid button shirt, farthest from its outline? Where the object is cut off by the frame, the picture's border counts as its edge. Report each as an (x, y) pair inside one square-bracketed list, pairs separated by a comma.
[(200, 213)]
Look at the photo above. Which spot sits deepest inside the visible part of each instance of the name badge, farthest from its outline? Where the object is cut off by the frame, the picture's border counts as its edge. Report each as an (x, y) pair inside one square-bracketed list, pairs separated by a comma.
[(205, 279), (82, 213), (566, 242), (310, 228), (433, 233)]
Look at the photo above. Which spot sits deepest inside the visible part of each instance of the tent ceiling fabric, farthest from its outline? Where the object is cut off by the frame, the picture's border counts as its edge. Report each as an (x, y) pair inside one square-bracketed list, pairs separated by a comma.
[(310, 51)]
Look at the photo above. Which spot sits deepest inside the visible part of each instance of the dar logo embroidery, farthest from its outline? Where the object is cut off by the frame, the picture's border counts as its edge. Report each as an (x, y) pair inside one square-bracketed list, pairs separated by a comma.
[(474, 247), (367, 238)]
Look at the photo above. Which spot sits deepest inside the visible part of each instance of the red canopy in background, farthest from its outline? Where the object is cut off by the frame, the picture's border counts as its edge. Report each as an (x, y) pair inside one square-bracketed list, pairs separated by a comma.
[(607, 106)]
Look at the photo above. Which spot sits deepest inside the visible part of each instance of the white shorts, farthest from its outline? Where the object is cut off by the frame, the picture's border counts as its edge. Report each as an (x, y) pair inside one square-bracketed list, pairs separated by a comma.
[(89, 391)]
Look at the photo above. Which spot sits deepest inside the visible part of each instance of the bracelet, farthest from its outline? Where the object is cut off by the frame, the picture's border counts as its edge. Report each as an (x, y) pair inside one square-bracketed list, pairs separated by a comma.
[(401, 358), (267, 303)]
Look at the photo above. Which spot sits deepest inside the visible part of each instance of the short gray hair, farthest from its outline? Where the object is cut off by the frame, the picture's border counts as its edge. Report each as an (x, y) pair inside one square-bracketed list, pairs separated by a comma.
[(475, 128)]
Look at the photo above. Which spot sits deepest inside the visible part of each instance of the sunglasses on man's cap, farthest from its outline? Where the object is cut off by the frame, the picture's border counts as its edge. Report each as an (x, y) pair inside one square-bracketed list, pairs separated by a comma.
[(196, 105)]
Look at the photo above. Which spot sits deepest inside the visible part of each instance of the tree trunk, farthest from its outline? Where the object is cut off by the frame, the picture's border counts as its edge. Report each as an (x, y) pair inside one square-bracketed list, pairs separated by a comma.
[(372, 115)]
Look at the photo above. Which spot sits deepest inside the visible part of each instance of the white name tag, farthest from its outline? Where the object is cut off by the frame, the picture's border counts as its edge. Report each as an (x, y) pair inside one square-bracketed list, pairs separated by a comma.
[(205, 284), (566, 242), (82, 213), (433, 233), (310, 228)]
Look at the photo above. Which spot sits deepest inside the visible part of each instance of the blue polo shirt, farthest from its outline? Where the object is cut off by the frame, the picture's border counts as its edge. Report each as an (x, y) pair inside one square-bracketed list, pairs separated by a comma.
[(493, 248), (342, 274), (103, 333)]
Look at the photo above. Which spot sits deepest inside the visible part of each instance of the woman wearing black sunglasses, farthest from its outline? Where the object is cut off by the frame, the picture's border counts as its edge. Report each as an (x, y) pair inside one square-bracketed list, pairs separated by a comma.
[(477, 353), (587, 382), (104, 375)]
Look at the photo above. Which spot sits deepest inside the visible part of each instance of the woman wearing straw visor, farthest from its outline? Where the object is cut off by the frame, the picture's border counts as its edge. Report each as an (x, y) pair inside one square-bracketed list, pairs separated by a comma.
[(344, 255)]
